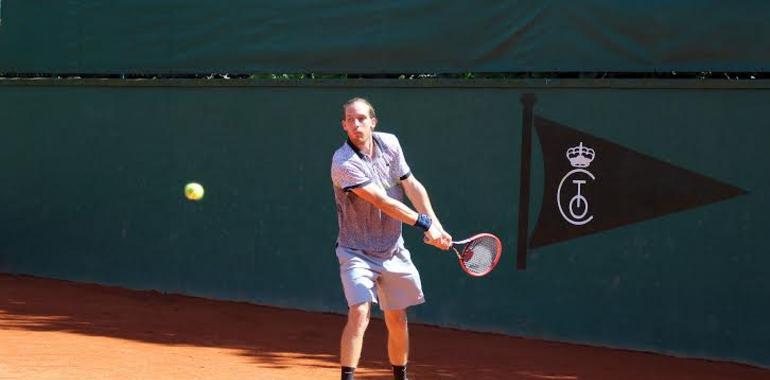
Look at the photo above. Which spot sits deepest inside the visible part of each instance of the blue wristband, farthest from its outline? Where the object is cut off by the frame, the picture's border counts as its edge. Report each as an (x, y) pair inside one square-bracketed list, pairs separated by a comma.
[(423, 222)]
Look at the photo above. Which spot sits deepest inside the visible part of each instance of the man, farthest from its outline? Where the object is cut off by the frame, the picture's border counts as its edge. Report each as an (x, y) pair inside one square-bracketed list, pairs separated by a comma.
[(370, 177)]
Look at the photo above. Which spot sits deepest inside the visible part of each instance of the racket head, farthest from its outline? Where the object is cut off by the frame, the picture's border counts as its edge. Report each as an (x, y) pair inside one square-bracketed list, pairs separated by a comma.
[(480, 254)]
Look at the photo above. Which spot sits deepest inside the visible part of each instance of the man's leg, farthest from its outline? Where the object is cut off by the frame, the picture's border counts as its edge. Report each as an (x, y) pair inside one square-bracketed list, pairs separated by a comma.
[(353, 335), (398, 341)]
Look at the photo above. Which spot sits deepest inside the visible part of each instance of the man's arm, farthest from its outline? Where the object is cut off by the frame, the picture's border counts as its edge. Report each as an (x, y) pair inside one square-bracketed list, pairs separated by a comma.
[(417, 194), (376, 195)]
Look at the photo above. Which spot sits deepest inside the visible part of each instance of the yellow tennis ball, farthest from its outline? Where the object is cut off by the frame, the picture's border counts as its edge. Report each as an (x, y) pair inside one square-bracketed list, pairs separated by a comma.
[(193, 191)]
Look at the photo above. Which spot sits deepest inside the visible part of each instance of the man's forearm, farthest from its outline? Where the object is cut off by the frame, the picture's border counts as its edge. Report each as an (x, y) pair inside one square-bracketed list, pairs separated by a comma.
[(391, 207), (397, 210), (419, 198)]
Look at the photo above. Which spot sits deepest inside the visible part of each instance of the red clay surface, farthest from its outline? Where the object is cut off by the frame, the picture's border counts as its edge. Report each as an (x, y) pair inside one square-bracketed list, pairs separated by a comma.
[(51, 329)]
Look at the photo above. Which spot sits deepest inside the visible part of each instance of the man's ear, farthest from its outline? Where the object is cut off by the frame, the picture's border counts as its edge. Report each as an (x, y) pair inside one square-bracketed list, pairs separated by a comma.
[(374, 122)]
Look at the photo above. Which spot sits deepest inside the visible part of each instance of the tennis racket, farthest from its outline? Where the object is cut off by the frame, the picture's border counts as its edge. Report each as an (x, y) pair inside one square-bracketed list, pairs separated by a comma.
[(479, 254)]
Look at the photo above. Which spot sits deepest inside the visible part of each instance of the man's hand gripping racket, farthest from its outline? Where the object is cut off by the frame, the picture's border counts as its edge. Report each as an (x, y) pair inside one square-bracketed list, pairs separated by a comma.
[(479, 254)]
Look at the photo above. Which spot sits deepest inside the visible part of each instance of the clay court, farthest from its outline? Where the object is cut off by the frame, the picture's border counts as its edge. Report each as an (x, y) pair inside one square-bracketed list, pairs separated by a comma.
[(52, 329)]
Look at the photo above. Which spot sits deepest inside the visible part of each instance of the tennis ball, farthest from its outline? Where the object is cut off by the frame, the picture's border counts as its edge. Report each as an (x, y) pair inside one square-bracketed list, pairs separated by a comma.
[(193, 191)]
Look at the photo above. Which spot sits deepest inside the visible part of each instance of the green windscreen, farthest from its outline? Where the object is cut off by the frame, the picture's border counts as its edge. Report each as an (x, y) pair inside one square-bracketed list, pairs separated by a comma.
[(673, 260), (414, 36)]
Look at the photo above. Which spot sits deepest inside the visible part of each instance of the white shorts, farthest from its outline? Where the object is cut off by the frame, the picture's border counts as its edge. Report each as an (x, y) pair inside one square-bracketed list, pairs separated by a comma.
[(394, 281)]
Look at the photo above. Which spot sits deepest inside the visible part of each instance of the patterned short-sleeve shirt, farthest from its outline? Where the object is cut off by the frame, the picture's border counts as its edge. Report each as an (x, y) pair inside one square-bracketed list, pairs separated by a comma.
[(362, 225)]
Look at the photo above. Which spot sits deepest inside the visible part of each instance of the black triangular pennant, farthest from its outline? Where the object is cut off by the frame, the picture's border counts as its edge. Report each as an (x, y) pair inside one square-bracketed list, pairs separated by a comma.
[(592, 185)]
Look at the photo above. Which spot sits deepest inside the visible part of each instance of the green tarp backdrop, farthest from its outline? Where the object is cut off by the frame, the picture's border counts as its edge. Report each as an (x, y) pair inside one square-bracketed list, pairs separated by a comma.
[(93, 175), (415, 36)]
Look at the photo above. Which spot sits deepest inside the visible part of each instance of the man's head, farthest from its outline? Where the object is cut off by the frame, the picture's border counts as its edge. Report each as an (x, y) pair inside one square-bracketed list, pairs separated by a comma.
[(359, 120)]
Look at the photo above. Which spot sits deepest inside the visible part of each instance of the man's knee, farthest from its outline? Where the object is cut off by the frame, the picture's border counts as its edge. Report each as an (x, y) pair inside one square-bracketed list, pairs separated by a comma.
[(358, 317), (396, 319)]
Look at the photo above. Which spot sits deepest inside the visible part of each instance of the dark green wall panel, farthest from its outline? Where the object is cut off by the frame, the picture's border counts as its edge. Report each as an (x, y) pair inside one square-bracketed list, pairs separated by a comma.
[(93, 191), (416, 36)]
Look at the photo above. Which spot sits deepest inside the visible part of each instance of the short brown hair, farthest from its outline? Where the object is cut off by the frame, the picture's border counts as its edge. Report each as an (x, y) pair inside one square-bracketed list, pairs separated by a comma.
[(362, 100)]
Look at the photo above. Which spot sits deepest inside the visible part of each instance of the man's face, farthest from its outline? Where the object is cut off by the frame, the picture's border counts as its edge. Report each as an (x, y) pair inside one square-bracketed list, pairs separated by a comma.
[(358, 124)]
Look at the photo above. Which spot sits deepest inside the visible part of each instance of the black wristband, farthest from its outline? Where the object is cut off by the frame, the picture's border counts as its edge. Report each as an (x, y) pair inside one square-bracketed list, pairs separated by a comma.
[(423, 222)]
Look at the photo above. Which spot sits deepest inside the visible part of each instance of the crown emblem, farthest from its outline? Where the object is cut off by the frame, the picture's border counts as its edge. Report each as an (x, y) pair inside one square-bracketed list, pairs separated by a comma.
[(580, 156)]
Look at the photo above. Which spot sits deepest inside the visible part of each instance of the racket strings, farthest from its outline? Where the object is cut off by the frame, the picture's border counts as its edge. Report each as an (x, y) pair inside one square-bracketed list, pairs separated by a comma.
[(479, 255)]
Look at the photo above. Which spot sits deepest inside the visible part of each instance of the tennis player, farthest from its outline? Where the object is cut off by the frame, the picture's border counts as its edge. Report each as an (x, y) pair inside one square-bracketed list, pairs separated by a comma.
[(370, 178)]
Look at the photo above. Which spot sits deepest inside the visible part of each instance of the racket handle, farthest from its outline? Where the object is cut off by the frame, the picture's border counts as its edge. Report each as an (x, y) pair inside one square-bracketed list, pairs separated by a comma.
[(425, 240)]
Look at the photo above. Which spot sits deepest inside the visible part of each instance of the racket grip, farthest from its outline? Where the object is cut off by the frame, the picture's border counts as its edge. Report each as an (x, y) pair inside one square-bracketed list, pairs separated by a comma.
[(451, 244)]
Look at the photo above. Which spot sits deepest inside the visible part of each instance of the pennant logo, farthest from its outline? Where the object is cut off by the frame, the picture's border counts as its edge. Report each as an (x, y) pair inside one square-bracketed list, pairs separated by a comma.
[(580, 157), (593, 185)]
